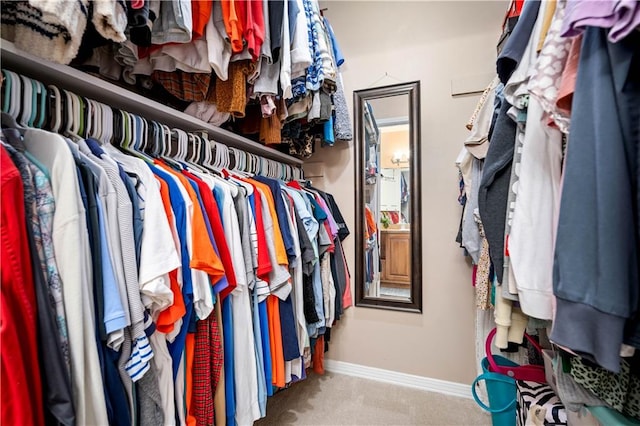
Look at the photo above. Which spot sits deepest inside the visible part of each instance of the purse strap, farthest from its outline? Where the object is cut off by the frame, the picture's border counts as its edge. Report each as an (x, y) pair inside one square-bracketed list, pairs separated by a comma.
[(487, 347)]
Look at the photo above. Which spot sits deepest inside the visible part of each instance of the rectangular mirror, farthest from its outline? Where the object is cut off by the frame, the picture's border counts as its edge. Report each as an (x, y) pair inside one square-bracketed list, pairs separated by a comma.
[(387, 154)]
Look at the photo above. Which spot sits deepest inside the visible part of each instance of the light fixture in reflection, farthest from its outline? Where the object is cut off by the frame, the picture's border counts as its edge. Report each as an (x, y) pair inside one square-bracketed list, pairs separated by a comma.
[(400, 157)]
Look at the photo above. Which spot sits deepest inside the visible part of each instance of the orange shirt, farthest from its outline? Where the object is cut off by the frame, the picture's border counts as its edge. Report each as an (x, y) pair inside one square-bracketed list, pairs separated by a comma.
[(189, 352), (318, 356), (200, 14), (177, 310), (275, 338), (281, 252), (203, 256), (371, 227), (233, 23)]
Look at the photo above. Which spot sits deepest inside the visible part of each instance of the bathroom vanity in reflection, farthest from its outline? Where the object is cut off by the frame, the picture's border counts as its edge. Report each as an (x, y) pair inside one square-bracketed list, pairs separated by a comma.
[(395, 258)]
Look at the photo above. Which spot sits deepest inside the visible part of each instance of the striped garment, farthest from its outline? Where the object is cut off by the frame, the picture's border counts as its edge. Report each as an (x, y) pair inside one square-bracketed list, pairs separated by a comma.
[(141, 352), (50, 29), (53, 29), (532, 394)]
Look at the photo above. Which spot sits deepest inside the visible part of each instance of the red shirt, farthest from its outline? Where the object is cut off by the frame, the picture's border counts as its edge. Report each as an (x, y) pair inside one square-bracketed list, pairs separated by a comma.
[(254, 28), (20, 382)]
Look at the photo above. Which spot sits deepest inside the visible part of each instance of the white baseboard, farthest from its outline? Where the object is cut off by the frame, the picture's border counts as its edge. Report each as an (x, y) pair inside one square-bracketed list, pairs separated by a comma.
[(397, 378)]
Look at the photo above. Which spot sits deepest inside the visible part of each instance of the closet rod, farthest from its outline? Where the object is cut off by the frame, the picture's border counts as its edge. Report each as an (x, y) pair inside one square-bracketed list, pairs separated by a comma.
[(92, 87)]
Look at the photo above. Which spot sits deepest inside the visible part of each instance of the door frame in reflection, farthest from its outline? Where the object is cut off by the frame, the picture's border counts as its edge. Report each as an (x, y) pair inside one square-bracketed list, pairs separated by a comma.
[(412, 91)]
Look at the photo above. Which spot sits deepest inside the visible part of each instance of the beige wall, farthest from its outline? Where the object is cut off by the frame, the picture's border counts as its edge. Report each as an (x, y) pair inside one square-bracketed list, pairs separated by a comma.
[(433, 42)]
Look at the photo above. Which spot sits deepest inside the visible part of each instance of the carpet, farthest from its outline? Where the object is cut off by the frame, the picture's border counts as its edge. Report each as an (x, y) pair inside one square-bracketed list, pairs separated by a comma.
[(336, 399)]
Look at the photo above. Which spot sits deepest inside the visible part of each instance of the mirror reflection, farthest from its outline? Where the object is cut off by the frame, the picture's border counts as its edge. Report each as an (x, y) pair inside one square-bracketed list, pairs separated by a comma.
[(388, 142), (387, 198)]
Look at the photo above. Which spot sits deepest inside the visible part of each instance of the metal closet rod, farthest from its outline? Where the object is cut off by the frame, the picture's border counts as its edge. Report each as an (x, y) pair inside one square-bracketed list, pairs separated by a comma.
[(92, 87)]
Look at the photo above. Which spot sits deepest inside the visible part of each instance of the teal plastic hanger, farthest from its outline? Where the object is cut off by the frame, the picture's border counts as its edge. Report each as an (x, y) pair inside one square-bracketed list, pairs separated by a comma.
[(35, 106), (42, 104)]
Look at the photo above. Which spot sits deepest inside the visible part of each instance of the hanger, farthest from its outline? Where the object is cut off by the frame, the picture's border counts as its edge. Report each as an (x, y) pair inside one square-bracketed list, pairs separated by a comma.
[(55, 110), (254, 164), (194, 160), (126, 129), (84, 113), (103, 123), (14, 94), (386, 75), (144, 135), (94, 120), (78, 114), (154, 150), (6, 93), (35, 104), (67, 112), (166, 140), (182, 144), (116, 131), (27, 101), (42, 104), (31, 122), (91, 123)]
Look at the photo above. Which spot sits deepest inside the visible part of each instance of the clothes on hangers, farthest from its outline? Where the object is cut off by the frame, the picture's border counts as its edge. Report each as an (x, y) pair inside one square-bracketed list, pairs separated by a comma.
[(557, 195), (225, 54), (149, 250)]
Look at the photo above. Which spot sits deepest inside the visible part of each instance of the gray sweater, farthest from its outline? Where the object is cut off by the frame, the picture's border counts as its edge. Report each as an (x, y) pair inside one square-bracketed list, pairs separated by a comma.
[(595, 276), (494, 186)]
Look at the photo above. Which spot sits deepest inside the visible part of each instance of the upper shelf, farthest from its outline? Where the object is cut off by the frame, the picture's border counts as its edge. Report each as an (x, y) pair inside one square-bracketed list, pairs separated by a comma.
[(94, 88)]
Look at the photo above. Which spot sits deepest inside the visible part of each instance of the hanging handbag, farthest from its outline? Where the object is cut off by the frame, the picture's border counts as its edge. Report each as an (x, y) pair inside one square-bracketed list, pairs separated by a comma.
[(500, 375), (531, 373)]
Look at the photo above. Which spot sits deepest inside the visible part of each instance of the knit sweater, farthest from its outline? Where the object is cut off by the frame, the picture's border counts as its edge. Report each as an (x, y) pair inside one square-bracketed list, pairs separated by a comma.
[(50, 29)]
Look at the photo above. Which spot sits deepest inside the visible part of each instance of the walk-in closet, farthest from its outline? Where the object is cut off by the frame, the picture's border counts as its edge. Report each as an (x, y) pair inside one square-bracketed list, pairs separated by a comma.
[(310, 212)]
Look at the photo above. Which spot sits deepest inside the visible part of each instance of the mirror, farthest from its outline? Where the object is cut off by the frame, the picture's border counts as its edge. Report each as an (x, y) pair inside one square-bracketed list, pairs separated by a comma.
[(388, 231)]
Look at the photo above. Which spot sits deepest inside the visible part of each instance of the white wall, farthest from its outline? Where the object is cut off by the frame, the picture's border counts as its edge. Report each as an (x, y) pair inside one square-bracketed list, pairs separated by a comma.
[(433, 42)]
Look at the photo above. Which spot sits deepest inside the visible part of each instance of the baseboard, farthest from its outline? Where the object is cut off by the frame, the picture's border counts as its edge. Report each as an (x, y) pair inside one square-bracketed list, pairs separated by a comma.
[(397, 378)]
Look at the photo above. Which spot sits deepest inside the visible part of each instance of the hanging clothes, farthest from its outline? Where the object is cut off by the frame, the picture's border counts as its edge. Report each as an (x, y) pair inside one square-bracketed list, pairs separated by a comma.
[(189, 292)]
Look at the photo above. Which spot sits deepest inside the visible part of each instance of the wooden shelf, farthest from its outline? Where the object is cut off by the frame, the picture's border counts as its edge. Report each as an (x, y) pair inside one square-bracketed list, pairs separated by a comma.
[(94, 88)]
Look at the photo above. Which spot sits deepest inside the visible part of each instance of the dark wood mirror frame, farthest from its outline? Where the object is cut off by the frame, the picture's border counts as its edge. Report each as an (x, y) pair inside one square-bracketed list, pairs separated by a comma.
[(412, 89)]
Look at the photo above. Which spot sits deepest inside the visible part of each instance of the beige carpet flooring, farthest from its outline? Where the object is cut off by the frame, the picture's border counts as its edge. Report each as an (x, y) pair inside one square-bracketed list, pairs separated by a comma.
[(336, 399)]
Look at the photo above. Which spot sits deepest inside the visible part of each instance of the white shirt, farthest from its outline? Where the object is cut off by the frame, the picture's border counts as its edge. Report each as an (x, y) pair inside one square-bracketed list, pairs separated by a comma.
[(218, 48), (158, 254), (300, 52), (532, 237), (73, 256), (285, 55)]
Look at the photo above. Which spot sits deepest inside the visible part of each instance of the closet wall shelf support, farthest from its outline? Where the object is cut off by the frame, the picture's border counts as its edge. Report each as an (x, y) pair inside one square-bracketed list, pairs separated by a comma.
[(92, 87)]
